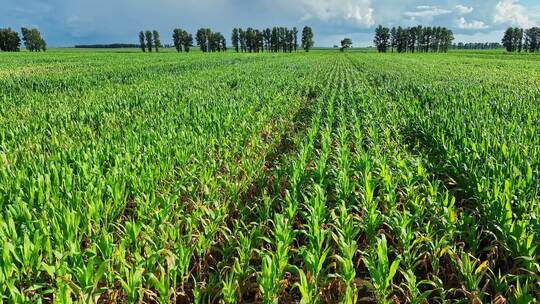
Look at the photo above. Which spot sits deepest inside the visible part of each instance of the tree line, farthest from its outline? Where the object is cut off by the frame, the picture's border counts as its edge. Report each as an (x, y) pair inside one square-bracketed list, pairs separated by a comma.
[(149, 40), (250, 40), (413, 39), (107, 46), (477, 46), (277, 39), (517, 39), (271, 40), (10, 40), (182, 40), (209, 41)]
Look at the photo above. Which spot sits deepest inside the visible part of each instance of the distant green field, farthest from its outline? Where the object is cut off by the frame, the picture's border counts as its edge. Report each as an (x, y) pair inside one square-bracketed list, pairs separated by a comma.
[(319, 177)]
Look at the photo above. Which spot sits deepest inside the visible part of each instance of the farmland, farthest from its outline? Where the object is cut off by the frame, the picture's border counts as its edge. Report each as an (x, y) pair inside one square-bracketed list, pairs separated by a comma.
[(319, 177)]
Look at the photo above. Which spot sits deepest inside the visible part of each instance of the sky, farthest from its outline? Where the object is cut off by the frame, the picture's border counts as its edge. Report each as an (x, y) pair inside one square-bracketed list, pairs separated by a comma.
[(70, 22)]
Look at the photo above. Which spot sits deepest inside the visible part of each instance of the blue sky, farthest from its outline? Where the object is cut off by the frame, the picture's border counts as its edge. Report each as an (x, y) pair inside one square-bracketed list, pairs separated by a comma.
[(69, 22)]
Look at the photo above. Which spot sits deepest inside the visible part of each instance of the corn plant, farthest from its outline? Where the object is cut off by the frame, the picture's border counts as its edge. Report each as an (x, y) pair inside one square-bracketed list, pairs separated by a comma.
[(381, 270), (129, 178)]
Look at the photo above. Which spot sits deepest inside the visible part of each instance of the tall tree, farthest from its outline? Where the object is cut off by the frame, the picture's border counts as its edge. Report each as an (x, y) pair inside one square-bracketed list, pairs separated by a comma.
[(250, 41), (517, 39), (346, 43), (295, 35), (307, 38), (187, 41), (401, 38), (33, 40), (243, 40), (177, 39), (141, 41), (420, 38), (412, 37), (222, 42), (427, 38), (290, 40), (275, 39), (157, 41), (235, 39), (149, 41), (382, 37), (9, 40), (267, 36), (446, 40), (507, 39), (393, 38), (532, 39), (202, 39)]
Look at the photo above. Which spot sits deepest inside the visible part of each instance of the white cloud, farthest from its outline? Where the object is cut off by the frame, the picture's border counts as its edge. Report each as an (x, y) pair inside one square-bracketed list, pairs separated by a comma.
[(463, 10), (509, 11), (425, 11), (360, 11), (473, 25)]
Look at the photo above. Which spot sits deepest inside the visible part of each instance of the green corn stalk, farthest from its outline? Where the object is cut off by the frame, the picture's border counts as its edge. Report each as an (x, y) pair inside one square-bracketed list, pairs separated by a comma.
[(380, 269)]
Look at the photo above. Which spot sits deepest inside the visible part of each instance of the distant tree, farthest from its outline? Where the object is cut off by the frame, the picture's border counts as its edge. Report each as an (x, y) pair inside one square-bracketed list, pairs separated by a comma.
[(177, 39), (33, 40), (412, 38), (519, 36), (295, 35), (427, 38), (202, 38), (420, 38), (141, 41), (517, 39), (243, 40), (513, 39), (282, 39), (157, 41), (434, 39), (507, 39), (393, 38), (149, 41), (267, 36), (187, 41), (290, 40), (401, 39), (260, 40), (346, 43), (255, 40), (477, 46), (446, 40), (108, 46), (382, 37), (222, 43), (275, 40), (235, 39), (9, 40), (532, 39), (307, 38), (250, 40)]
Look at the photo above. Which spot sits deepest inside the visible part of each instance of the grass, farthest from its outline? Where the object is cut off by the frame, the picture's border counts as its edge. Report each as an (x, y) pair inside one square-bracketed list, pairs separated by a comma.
[(324, 177)]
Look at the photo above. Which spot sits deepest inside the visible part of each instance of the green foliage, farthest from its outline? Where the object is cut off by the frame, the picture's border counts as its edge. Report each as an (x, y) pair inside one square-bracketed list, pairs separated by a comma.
[(33, 40), (9, 40), (323, 178), (307, 38)]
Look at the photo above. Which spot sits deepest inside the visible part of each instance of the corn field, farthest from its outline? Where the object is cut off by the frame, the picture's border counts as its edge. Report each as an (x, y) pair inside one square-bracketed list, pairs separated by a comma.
[(269, 178)]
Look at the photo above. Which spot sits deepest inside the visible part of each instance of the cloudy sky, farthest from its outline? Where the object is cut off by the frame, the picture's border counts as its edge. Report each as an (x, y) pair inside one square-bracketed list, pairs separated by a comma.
[(69, 22)]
